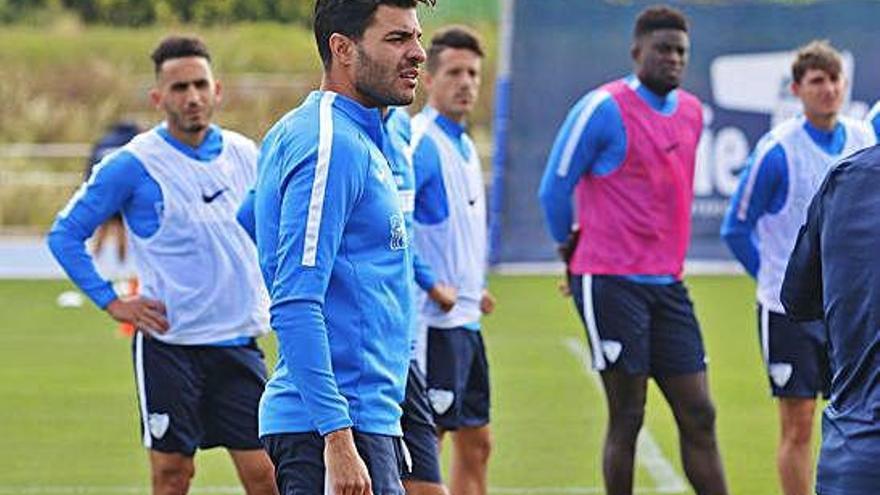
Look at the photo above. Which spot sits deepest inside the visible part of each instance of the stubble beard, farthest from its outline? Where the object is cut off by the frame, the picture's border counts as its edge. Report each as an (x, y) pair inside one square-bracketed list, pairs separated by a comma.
[(377, 82)]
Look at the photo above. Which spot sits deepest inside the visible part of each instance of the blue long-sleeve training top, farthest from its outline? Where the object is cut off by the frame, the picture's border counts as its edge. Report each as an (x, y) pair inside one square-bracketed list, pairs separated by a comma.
[(762, 190), (334, 254), (397, 127), (594, 132)]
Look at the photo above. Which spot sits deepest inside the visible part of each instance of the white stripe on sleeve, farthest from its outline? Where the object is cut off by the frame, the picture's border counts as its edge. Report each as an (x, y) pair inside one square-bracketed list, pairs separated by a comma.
[(319, 185), (742, 211), (574, 137)]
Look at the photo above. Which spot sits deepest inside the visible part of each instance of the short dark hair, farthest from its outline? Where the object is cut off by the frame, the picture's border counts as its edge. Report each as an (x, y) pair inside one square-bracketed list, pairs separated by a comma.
[(452, 37), (817, 54), (659, 17), (350, 18), (178, 47)]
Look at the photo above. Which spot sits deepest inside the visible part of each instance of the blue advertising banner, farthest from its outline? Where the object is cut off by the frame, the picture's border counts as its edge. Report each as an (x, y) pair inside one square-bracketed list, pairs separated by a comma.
[(554, 51)]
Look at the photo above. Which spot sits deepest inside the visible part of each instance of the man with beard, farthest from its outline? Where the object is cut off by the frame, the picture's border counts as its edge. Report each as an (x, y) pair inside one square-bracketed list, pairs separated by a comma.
[(627, 152), (335, 256), (199, 372), (450, 228), (760, 227)]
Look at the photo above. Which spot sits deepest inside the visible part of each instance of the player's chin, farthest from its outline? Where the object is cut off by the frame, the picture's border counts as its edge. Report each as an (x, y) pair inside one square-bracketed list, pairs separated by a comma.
[(403, 96), (196, 126)]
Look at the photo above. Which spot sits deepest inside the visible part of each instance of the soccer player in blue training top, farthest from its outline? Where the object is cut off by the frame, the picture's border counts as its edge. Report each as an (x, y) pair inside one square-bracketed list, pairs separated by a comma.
[(417, 422), (450, 221), (334, 252), (199, 372), (834, 275), (760, 228), (624, 161)]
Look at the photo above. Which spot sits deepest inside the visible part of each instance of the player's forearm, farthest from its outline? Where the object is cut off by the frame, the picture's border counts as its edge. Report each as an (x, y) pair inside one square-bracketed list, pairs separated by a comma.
[(302, 341), (742, 246), (69, 249), (425, 277), (556, 205)]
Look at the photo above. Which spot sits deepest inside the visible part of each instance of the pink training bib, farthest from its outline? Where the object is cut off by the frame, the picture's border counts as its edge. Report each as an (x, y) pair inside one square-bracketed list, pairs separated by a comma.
[(637, 219)]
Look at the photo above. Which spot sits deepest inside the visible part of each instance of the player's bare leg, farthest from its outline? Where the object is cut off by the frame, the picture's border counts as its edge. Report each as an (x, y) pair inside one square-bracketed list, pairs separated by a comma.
[(688, 396), (424, 488), (471, 448), (794, 458), (171, 473), (625, 395), (255, 470)]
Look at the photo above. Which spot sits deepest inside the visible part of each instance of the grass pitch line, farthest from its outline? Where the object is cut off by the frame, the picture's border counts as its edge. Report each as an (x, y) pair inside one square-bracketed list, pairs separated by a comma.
[(648, 453)]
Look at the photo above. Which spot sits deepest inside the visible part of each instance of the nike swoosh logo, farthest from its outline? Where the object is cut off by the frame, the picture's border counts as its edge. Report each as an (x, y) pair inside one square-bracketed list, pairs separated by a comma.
[(208, 199), (671, 147)]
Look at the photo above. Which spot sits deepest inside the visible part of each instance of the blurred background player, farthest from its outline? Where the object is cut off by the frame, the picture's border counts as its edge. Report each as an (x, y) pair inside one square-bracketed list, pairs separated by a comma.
[(450, 227), (335, 253), (199, 372), (626, 152), (109, 242), (760, 227), (118, 135), (833, 275)]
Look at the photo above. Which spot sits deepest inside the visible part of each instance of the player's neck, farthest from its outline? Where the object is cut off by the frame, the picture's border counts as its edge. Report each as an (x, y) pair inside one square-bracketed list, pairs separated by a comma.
[(346, 87), (191, 139), (823, 122), (457, 117), (659, 89)]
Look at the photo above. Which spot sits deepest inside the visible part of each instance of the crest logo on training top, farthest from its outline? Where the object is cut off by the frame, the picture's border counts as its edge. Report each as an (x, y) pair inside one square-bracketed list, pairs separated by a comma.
[(780, 373), (398, 233), (441, 400), (158, 424)]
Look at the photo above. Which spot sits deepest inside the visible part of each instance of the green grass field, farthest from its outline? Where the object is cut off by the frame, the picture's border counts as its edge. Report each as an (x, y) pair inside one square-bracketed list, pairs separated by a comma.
[(69, 424)]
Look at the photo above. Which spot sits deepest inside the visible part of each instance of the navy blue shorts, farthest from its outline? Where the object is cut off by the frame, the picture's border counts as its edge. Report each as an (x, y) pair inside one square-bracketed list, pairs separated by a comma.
[(198, 397), (299, 462), (639, 329), (458, 378), (419, 431), (796, 355)]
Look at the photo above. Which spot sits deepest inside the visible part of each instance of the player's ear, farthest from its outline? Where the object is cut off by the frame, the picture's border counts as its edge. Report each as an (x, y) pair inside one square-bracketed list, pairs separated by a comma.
[(155, 97), (342, 49), (795, 88), (636, 49), (218, 91), (427, 80)]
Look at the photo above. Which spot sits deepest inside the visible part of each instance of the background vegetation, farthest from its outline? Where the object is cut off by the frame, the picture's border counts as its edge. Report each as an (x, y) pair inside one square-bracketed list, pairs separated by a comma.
[(65, 80)]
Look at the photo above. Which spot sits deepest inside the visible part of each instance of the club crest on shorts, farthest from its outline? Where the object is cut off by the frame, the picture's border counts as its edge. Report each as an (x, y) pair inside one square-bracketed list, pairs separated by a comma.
[(780, 373), (441, 400), (158, 424), (611, 349)]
